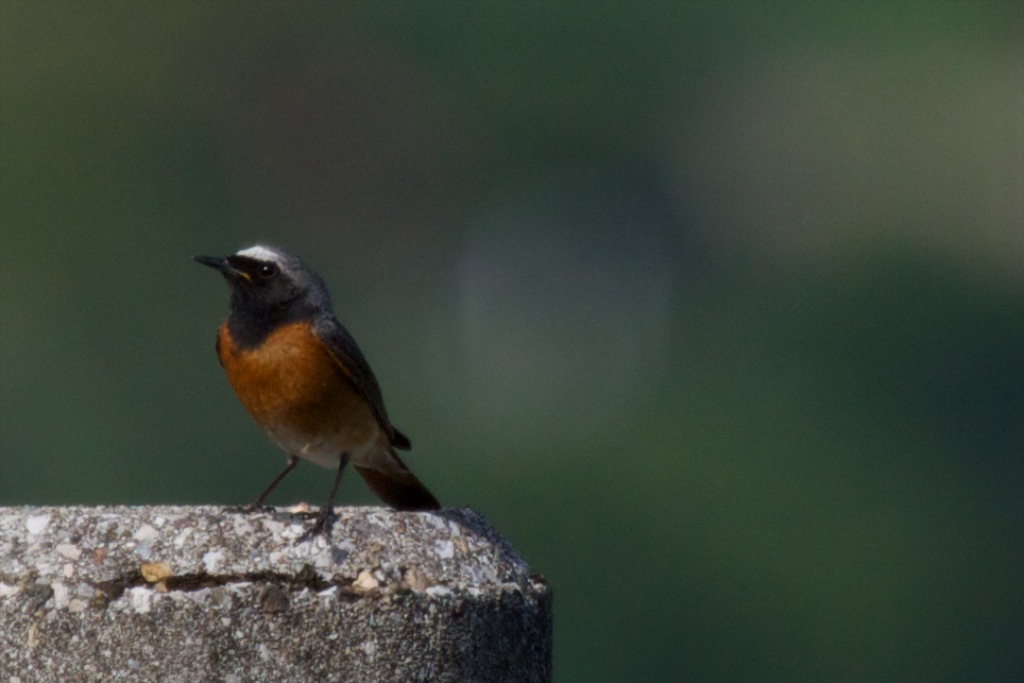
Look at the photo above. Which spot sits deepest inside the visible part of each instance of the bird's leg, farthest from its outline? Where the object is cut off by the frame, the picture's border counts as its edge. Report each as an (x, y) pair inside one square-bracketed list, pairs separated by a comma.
[(324, 520), (257, 505)]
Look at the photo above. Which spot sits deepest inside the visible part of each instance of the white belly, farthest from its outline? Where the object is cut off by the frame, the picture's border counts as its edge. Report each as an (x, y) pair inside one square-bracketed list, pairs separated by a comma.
[(326, 452)]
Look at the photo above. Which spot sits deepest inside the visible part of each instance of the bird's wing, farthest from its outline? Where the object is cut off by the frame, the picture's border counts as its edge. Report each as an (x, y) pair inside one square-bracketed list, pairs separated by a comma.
[(354, 367)]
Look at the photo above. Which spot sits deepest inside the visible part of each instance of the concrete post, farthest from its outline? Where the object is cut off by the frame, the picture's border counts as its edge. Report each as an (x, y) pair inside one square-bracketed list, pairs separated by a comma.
[(197, 594)]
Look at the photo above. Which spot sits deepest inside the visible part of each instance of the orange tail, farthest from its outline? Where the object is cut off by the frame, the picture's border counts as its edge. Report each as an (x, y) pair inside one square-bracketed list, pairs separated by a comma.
[(396, 485)]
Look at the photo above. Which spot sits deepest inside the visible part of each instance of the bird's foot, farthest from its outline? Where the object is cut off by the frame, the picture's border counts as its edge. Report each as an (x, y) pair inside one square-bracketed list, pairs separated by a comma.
[(324, 521)]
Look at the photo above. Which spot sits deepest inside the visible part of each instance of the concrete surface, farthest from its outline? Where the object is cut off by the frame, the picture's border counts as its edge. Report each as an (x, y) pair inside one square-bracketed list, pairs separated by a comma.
[(199, 594)]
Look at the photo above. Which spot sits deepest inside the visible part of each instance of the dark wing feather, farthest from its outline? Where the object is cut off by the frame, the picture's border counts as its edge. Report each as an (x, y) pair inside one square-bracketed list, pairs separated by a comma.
[(354, 366)]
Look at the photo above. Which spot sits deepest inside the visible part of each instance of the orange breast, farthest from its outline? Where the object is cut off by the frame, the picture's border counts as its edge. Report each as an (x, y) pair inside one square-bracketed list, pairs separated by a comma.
[(294, 388)]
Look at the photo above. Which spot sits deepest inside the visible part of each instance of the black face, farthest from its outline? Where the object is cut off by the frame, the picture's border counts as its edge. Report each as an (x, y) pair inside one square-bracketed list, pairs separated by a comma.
[(253, 279), (262, 296), (253, 271)]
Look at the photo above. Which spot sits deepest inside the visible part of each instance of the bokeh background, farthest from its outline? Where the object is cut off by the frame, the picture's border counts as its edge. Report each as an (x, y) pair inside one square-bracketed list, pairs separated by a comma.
[(716, 310)]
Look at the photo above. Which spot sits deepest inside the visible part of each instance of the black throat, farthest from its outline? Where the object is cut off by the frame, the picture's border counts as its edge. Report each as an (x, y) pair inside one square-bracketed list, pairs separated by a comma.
[(250, 326)]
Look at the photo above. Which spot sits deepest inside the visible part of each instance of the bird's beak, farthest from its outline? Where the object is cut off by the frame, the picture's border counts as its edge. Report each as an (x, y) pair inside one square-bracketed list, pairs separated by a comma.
[(221, 263)]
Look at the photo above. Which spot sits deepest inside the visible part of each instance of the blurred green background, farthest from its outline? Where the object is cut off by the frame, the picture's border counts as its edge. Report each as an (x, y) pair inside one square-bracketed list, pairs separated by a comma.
[(716, 310)]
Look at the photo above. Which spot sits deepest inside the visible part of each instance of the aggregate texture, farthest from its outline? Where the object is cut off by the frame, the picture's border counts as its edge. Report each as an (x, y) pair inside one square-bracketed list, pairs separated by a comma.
[(200, 594)]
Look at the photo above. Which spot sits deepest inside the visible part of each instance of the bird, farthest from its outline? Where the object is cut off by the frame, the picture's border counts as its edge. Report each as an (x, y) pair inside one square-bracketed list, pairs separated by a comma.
[(303, 379)]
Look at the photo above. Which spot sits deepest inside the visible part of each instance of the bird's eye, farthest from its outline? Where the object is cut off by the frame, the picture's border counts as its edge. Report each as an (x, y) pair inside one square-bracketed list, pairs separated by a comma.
[(267, 270)]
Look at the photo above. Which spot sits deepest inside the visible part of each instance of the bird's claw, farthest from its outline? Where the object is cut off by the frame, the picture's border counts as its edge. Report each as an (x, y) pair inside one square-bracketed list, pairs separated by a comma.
[(324, 521)]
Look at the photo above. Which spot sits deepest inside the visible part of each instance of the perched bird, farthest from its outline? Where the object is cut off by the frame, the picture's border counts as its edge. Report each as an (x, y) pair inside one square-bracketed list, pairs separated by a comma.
[(302, 378)]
